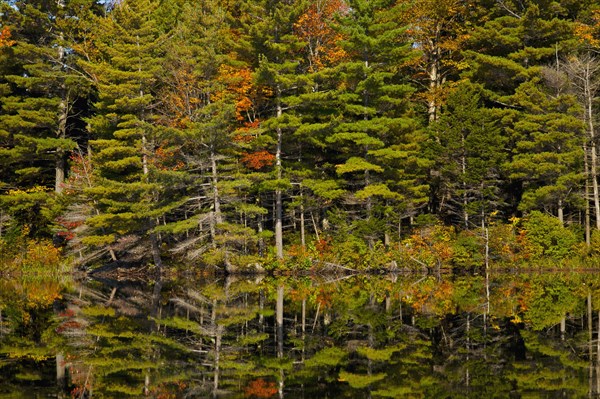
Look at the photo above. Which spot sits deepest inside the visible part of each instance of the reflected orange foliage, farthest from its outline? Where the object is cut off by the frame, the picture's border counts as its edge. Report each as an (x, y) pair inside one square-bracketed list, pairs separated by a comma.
[(43, 295), (168, 390), (260, 389)]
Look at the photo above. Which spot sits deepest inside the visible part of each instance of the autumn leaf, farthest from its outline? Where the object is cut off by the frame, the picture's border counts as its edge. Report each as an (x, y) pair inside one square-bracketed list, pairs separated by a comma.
[(5, 36), (315, 28), (258, 160)]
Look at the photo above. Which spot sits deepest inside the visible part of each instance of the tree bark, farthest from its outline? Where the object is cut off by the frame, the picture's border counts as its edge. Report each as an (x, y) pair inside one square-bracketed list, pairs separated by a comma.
[(278, 200)]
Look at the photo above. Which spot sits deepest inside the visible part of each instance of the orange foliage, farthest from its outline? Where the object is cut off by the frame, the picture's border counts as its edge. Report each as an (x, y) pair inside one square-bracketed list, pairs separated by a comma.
[(168, 390), (183, 97), (299, 294), (431, 245), (438, 31), (314, 27), (247, 132), (258, 160), (42, 295), (5, 36), (239, 82), (589, 33), (324, 298), (260, 389), (166, 158)]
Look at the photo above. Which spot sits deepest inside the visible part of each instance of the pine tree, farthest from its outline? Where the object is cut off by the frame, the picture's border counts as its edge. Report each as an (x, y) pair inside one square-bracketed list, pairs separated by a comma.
[(204, 101), (470, 155), (43, 99), (375, 140), (132, 187), (548, 157), (278, 52)]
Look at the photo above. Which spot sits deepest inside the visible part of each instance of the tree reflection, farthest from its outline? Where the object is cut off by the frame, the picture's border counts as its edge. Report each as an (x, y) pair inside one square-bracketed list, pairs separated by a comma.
[(352, 336)]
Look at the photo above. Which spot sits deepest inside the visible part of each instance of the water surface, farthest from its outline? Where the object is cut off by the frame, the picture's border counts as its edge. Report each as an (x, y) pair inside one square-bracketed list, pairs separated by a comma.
[(395, 336)]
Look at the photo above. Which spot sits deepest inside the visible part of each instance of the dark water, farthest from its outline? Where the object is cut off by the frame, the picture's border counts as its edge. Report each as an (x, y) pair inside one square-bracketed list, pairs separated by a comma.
[(400, 336)]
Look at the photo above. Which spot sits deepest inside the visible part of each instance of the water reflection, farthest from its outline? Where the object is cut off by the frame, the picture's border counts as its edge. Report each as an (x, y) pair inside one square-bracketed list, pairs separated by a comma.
[(414, 336)]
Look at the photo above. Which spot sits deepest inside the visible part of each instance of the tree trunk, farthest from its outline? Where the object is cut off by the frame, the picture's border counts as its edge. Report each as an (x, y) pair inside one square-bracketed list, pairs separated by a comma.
[(434, 86), (279, 320), (588, 235), (278, 201), (63, 111), (215, 189), (593, 159), (561, 216), (302, 223), (60, 371), (463, 166)]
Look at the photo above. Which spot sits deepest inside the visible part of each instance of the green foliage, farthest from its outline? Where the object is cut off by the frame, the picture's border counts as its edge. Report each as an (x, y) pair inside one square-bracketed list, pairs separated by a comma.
[(197, 129), (360, 381), (468, 250), (547, 237)]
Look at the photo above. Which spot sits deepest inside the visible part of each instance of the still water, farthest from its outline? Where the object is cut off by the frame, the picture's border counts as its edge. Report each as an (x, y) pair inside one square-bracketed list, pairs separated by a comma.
[(397, 336)]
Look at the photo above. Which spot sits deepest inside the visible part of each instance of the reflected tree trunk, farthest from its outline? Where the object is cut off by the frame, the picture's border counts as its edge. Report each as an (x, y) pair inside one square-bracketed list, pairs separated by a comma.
[(218, 339), (590, 339), (468, 348), (279, 321), (598, 356), (61, 374)]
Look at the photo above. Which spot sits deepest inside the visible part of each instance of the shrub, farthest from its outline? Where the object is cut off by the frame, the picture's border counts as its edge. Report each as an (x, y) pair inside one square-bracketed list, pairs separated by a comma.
[(546, 236)]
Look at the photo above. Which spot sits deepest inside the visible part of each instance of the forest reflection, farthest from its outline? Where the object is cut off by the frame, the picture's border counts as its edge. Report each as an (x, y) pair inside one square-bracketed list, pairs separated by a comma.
[(417, 336)]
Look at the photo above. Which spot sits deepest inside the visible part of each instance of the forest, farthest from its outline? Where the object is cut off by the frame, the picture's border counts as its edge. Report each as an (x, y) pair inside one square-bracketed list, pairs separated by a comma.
[(360, 134)]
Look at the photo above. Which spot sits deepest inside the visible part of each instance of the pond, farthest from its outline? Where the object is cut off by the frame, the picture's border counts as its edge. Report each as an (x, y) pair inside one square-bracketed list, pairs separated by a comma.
[(501, 335)]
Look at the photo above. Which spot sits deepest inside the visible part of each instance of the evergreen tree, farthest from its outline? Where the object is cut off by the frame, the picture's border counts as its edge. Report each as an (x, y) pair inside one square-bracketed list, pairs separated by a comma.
[(132, 188), (375, 141), (204, 100), (548, 156), (278, 51), (43, 99), (470, 157)]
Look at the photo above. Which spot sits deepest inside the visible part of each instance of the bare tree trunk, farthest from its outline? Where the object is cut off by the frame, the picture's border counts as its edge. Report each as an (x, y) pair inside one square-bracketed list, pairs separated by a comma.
[(60, 371), (463, 166), (590, 338), (278, 201), (594, 165), (302, 223), (279, 320), (215, 215), (63, 111), (583, 73), (434, 85), (561, 216), (61, 163), (598, 356), (588, 235)]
